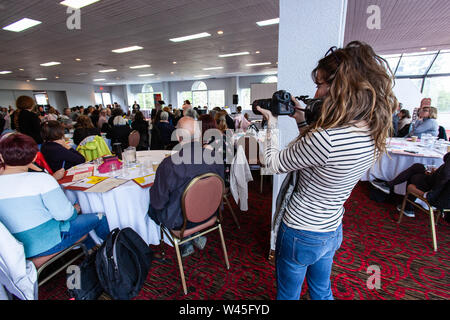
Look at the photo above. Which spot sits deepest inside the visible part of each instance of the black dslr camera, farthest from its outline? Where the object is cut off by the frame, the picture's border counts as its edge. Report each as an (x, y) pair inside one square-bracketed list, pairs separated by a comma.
[(281, 104)]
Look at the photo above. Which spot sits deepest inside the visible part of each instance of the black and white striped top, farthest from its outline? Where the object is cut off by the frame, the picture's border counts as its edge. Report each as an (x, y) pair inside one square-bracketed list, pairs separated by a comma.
[(330, 164)]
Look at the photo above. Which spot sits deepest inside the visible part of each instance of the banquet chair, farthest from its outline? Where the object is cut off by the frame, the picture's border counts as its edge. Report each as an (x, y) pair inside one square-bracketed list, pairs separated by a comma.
[(134, 138), (41, 263), (207, 186), (428, 208), (226, 194), (251, 148)]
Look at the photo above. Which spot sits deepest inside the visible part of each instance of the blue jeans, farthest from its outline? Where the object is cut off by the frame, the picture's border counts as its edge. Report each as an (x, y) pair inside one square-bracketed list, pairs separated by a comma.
[(78, 228), (301, 253)]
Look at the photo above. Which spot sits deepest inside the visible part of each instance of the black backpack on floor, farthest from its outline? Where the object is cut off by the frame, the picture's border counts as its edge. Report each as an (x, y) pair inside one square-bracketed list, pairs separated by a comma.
[(90, 288), (123, 262)]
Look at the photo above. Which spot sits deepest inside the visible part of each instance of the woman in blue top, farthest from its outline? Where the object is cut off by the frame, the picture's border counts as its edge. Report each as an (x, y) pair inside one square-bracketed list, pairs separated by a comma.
[(33, 206), (426, 124)]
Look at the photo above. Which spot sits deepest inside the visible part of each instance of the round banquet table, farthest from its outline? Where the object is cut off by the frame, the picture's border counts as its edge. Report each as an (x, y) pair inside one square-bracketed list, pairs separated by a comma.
[(389, 166), (124, 206)]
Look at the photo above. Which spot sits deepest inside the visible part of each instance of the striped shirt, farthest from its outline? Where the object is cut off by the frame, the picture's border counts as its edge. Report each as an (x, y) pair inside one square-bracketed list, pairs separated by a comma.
[(330, 163)]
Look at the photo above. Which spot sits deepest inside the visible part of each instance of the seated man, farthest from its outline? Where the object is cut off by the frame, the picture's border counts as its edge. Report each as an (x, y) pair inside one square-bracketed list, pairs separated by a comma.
[(431, 184), (172, 179)]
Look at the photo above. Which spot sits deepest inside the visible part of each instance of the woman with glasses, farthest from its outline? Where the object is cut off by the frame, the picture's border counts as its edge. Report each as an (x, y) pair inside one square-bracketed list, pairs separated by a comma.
[(328, 158)]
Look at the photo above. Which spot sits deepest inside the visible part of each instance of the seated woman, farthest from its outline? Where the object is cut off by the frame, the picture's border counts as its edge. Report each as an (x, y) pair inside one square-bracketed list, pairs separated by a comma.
[(141, 125), (120, 132), (55, 150), (83, 129), (404, 123), (432, 183), (426, 124), (34, 208)]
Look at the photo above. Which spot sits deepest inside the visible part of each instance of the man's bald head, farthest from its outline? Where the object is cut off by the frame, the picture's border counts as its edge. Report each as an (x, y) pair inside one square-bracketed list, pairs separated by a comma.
[(188, 127)]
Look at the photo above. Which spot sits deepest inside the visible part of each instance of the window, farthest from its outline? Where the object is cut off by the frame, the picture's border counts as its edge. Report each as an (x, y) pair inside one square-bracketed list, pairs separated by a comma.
[(438, 89), (98, 98), (270, 79), (216, 98), (441, 65), (392, 61), (245, 98), (415, 64), (183, 96), (199, 86), (146, 99), (106, 98), (199, 94), (41, 98)]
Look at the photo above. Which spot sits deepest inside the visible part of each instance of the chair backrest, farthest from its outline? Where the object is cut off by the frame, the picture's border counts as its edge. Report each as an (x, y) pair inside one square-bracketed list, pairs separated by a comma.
[(86, 140), (202, 197), (250, 146), (134, 138)]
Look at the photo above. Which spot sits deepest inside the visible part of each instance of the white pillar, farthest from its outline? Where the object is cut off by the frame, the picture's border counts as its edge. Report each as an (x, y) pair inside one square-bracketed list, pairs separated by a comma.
[(308, 28)]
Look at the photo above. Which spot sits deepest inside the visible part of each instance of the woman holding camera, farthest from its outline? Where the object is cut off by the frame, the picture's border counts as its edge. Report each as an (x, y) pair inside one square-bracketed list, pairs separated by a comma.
[(329, 158)]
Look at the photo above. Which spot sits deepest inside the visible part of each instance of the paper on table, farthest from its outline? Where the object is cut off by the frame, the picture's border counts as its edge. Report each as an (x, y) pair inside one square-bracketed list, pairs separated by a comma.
[(106, 185), (82, 168), (88, 182), (145, 181)]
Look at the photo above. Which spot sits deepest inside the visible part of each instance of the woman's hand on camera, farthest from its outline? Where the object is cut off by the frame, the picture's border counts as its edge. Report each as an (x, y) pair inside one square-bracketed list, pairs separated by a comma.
[(299, 114), (267, 115)]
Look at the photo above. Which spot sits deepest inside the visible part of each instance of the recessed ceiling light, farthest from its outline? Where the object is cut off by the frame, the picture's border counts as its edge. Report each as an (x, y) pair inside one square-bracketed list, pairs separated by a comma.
[(423, 48), (40, 79), (49, 64), (108, 70), (258, 64), (141, 67), (78, 59), (111, 83), (22, 25), (268, 22), (77, 4), (99, 79), (28, 80), (127, 49), (5, 72), (258, 52), (174, 62), (56, 77), (202, 76), (172, 72), (20, 69), (234, 54), (220, 32), (213, 68), (191, 37), (147, 75)]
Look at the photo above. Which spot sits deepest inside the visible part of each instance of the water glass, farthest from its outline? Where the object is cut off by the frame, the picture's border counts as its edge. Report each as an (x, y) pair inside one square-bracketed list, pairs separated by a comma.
[(114, 169)]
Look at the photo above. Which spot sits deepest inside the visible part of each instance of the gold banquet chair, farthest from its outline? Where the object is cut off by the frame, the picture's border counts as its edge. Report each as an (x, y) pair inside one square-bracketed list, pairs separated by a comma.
[(412, 190), (195, 209)]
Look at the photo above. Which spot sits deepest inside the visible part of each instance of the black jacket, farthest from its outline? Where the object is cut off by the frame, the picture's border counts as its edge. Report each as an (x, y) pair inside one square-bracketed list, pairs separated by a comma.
[(441, 176), (56, 155), (81, 133), (119, 134), (29, 124), (170, 182)]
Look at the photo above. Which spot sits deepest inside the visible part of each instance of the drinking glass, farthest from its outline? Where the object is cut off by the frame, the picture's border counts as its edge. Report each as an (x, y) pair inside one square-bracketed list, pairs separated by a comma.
[(155, 166)]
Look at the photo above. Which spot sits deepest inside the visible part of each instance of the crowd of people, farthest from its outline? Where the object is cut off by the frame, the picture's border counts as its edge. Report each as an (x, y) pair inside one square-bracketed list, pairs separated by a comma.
[(323, 164)]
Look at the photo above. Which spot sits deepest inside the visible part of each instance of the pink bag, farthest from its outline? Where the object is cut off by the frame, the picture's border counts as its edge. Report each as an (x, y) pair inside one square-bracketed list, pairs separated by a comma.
[(105, 167)]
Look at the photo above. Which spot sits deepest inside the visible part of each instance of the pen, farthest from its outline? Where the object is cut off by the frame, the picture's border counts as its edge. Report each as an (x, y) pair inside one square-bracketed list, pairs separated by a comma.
[(64, 164)]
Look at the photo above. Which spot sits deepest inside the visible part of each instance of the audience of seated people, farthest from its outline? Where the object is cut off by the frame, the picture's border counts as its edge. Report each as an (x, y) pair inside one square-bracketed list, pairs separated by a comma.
[(172, 179), (431, 184), (56, 151), (33, 206), (83, 129)]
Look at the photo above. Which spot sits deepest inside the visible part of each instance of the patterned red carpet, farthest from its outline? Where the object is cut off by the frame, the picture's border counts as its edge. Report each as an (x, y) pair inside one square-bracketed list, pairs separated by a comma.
[(409, 268)]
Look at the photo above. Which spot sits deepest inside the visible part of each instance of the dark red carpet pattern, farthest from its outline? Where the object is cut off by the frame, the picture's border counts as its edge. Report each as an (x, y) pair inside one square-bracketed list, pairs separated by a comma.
[(409, 268)]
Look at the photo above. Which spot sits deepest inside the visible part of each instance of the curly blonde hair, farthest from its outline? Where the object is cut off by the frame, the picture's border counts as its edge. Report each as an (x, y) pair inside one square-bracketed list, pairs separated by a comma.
[(361, 90)]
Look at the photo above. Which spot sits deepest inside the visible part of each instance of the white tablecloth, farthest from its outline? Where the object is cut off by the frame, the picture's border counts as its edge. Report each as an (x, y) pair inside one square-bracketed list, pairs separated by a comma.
[(124, 206), (388, 168)]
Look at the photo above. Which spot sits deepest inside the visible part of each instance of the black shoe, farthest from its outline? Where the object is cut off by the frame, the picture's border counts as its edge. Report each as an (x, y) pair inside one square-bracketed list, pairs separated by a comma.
[(408, 213), (382, 186)]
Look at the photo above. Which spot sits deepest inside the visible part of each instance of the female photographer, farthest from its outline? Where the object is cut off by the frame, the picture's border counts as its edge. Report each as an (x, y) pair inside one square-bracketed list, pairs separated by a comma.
[(329, 158)]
